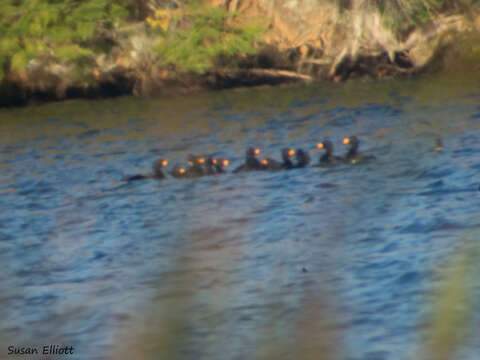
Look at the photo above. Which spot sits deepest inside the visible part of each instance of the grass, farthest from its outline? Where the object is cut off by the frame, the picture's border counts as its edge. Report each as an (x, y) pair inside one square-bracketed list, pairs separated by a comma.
[(201, 33), (313, 334), (453, 306), (54, 31)]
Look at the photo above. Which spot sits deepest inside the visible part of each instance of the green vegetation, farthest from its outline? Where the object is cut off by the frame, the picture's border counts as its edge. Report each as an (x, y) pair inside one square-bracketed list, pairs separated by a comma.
[(72, 31), (402, 14), (203, 33), (54, 30), (453, 305)]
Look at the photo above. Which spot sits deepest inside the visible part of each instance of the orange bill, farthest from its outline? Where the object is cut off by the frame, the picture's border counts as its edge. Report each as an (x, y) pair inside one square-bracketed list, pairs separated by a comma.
[(320, 145), (164, 163), (225, 162), (256, 151), (346, 141), (291, 152)]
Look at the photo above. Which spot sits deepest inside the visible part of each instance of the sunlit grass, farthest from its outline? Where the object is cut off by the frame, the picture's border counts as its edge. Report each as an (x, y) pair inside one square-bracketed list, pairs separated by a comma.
[(166, 330), (452, 307)]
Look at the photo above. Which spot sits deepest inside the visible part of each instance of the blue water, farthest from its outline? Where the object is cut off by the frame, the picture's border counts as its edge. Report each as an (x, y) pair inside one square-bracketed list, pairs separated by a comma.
[(87, 257)]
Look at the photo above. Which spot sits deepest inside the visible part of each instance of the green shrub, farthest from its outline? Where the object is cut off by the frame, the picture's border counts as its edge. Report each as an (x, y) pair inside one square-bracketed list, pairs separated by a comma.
[(44, 28), (202, 33)]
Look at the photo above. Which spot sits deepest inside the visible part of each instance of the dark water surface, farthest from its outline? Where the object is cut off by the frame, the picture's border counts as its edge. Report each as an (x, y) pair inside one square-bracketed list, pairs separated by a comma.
[(84, 255)]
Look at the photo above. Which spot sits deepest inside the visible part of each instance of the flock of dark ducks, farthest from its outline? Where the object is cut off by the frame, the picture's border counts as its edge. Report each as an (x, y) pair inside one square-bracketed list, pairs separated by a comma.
[(202, 166)]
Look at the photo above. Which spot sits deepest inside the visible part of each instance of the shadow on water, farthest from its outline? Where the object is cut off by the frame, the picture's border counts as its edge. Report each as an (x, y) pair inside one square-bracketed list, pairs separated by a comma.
[(254, 265)]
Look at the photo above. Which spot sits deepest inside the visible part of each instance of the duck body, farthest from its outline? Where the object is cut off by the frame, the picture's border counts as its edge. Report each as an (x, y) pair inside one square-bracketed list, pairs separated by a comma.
[(210, 168), (136, 177), (303, 158), (286, 157), (220, 163), (251, 162), (157, 172), (157, 169), (359, 159), (178, 172), (328, 158), (287, 164), (353, 156), (271, 164), (215, 166), (195, 168), (438, 144)]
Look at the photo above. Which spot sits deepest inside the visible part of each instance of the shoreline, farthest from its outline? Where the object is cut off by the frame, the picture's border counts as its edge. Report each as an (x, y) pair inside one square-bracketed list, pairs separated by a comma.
[(363, 49)]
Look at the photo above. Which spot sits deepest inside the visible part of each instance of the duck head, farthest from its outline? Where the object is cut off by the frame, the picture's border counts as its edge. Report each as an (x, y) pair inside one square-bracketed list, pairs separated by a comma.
[(158, 165)]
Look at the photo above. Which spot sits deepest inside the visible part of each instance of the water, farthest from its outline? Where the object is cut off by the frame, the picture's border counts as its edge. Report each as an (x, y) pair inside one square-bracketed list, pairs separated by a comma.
[(87, 257)]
